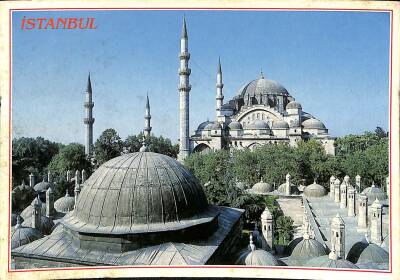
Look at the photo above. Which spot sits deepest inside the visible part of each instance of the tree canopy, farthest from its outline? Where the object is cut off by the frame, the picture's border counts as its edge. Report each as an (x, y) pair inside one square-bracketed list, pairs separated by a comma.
[(109, 145), (154, 144)]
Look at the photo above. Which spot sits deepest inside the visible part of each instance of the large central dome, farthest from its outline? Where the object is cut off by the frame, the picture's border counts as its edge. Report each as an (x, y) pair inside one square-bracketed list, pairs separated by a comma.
[(261, 86), (139, 192)]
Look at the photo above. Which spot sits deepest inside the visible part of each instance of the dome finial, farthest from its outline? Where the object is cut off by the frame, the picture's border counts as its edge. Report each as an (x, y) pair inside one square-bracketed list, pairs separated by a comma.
[(18, 225), (144, 147), (261, 74), (333, 255)]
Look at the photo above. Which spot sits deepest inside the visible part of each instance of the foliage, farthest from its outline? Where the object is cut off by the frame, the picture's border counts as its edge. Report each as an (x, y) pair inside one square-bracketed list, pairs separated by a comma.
[(71, 157), (109, 145), (284, 227), (21, 198), (31, 155), (154, 144)]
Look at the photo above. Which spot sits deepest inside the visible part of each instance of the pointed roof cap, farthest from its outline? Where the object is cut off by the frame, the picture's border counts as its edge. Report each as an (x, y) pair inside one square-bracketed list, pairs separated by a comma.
[(219, 66), (184, 29), (261, 74), (147, 101), (89, 84)]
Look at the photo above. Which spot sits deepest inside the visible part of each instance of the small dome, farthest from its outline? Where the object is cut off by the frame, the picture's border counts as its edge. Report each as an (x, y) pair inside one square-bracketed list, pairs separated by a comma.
[(46, 224), (257, 124), (308, 248), (364, 252), (235, 125), (261, 188), (23, 187), (64, 204), (21, 235), (314, 190), (14, 219), (374, 193), (42, 186), (280, 124), (325, 261), (292, 244), (203, 125), (213, 126), (313, 124), (256, 257), (27, 212), (293, 105)]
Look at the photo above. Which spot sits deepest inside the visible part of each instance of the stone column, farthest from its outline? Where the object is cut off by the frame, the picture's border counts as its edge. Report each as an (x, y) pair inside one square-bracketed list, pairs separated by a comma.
[(37, 214), (68, 175), (358, 183), (287, 186), (77, 177), (388, 187), (351, 202), (83, 175), (338, 236), (337, 191), (362, 212), (31, 180), (343, 195), (267, 223), (49, 177), (49, 203), (376, 222), (332, 186)]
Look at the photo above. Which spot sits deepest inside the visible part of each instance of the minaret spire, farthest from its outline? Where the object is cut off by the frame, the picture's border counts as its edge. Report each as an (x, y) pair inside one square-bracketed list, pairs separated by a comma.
[(147, 117), (184, 89), (89, 120), (220, 96)]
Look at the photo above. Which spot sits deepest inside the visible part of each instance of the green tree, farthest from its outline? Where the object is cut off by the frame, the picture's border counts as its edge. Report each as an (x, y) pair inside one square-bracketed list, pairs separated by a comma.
[(160, 145), (109, 145), (284, 226)]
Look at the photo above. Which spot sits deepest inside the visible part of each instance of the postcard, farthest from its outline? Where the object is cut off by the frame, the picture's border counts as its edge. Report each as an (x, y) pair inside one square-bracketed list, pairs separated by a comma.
[(229, 139)]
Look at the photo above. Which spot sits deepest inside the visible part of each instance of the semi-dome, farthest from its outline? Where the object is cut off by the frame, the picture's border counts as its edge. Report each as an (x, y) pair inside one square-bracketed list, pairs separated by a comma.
[(212, 126), (42, 186), (293, 105), (65, 204), (235, 125), (21, 235), (257, 124), (280, 124), (374, 193), (27, 212), (139, 193), (46, 224), (261, 86), (327, 261), (314, 190), (313, 124), (365, 252), (203, 125), (261, 188), (308, 248)]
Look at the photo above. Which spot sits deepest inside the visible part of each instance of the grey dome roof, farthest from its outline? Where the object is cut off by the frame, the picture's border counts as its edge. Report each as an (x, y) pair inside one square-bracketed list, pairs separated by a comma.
[(42, 186), (292, 244), (308, 248), (27, 212), (21, 235), (257, 257), (139, 192), (363, 252), (293, 105), (261, 188), (212, 126), (374, 193), (23, 187), (257, 124), (314, 190), (46, 224), (235, 125), (325, 261), (64, 204), (313, 124), (203, 125), (14, 219), (261, 86), (280, 124)]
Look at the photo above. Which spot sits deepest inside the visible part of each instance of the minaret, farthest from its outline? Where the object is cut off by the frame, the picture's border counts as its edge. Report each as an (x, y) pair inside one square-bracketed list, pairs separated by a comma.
[(147, 117), (376, 222), (219, 97), (337, 236), (332, 186), (49, 203), (88, 120), (267, 223), (362, 212), (337, 190), (184, 89)]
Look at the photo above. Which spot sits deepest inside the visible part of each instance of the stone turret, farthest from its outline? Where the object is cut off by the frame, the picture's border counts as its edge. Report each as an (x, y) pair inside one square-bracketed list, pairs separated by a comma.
[(88, 120), (184, 89), (343, 195), (376, 222), (332, 186), (362, 212), (337, 191), (351, 202), (147, 118), (77, 191), (338, 236), (83, 175), (68, 175), (37, 214), (219, 95), (49, 203), (358, 183), (77, 177), (287, 186), (32, 180), (267, 223)]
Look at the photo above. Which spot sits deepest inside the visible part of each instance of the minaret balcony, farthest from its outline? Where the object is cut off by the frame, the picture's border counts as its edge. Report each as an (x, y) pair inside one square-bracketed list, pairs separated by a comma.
[(88, 105), (184, 55), (185, 71), (219, 85), (185, 88), (88, 120)]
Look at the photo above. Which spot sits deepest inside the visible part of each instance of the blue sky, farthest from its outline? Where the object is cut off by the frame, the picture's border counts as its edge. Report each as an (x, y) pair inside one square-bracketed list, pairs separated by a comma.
[(336, 64)]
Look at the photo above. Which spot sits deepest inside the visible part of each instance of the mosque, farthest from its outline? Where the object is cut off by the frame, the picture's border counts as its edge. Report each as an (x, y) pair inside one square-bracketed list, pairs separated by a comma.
[(145, 208)]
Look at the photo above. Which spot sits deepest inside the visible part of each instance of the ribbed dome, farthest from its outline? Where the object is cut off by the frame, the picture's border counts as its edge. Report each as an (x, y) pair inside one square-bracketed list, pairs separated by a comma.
[(257, 257), (235, 125), (42, 186), (313, 124), (213, 126), (27, 212), (21, 235), (22, 187), (45, 223), (374, 193), (65, 204), (139, 192), (261, 188), (314, 190), (280, 124), (293, 105), (363, 252), (203, 125), (261, 86), (292, 244), (308, 248), (257, 124), (325, 261)]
